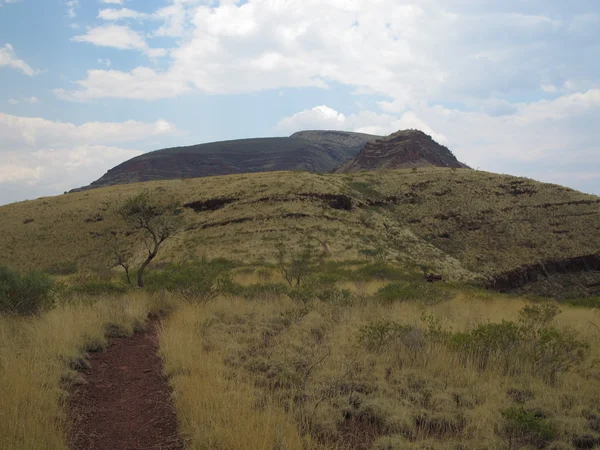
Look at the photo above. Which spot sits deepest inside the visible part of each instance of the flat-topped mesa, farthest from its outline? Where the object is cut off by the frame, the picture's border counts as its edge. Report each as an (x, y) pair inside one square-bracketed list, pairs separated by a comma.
[(403, 149), (313, 150)]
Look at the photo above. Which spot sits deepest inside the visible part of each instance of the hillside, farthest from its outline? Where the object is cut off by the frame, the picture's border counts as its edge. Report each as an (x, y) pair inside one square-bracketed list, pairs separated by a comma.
[(315, 151), (461, 223), (403, 149)]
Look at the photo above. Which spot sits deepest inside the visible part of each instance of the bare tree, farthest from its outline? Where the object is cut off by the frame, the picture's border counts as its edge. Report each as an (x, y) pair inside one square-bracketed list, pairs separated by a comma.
[(295, 265), (120, 251), (155, 221)]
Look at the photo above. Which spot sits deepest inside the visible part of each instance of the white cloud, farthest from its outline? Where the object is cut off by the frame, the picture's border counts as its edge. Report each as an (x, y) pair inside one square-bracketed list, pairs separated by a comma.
[(326, 118), (34, 132), (120, 37), (112, 2), (120, 14), (8, 58), (39, 156), (105, 62), (447, 50), (30, 100), (72, 5), (320, 117), (542, 138), (148, 85)]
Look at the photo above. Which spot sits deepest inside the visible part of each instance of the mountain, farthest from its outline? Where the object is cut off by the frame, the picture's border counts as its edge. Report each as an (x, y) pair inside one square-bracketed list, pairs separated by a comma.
[(404, 149), (514, 233), (314, 151)]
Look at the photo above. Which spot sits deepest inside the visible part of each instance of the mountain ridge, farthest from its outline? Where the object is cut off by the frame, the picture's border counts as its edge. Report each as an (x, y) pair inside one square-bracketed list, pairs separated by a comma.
[(318, 151), (311, 150)]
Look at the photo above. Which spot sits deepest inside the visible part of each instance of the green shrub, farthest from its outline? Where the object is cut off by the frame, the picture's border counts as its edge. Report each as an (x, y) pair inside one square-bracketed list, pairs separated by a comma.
[(538, 315), (257, 291), (331, 294), (493, 343), (365, 189), (528, 345), (302, 294), (412, 291), (526, 427), (378, 336), (382, 271), (62, 268), (24, 295), (201, 280), (585, 302), (553, 351)]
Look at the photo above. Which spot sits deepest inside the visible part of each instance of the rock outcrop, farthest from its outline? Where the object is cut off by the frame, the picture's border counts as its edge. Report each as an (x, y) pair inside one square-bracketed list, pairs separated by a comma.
[(403, 149)]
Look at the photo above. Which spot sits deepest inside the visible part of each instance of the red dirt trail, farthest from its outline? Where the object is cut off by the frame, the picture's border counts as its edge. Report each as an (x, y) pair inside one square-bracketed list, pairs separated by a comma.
[(124, 403)]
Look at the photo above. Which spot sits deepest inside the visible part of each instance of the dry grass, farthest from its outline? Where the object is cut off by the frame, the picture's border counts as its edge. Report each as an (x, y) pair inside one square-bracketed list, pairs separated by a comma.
[(459, 222), (243, 371), (218, 409), (37, 361)]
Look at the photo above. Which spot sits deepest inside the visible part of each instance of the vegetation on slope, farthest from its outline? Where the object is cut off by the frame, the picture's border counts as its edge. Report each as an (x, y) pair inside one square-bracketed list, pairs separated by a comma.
[(463, 369), (355, 356), (459, 223)]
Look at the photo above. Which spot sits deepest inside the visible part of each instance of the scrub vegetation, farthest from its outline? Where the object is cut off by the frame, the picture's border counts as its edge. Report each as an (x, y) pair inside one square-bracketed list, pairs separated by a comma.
[(312, 324)]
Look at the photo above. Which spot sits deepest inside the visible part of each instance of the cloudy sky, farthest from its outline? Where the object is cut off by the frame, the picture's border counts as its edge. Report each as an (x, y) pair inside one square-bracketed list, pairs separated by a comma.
[(510, 86)]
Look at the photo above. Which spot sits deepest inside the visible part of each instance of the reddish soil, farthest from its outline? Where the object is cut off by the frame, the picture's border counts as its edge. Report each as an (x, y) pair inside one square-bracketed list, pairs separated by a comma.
[(124, 402)]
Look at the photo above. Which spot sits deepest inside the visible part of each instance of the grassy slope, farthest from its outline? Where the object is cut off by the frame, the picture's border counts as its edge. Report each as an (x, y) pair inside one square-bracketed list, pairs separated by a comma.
[(258, 365), (458, 222)]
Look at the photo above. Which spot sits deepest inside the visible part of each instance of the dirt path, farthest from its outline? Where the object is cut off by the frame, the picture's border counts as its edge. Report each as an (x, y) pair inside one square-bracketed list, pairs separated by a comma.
[(125, 403)]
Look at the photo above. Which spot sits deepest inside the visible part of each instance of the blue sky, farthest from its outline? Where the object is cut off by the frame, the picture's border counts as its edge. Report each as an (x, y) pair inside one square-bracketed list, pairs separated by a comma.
[(511, 86)]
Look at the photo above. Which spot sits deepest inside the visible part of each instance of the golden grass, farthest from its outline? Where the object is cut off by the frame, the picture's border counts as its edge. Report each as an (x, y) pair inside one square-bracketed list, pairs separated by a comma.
[(35, 358), (243, 371), (459, 223), (218, 409)]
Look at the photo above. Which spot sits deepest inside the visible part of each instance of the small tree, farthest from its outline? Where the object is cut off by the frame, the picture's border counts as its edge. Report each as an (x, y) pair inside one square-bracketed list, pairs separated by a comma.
[(156, 222), (120, 252), (295, 265)]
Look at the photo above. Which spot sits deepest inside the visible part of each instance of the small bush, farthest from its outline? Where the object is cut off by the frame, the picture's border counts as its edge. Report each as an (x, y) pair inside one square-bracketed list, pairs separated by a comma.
[(62, 268), (493, 343), (412, 291), (24, 295), (538, 315), (302, 294), (365, 189), (525, 427), (382, 271), (258, 291), (201, 280), (334, 295), (378, 336), (585, 302), (529, 345)]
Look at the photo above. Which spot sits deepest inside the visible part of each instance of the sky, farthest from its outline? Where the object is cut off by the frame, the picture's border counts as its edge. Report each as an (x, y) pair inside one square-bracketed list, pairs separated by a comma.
[(510, 86)]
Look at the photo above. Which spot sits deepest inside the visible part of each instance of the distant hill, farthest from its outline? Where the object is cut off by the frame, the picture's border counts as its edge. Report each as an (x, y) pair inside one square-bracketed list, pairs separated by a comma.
[(403, 149), (516, 233), (313, 151)]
